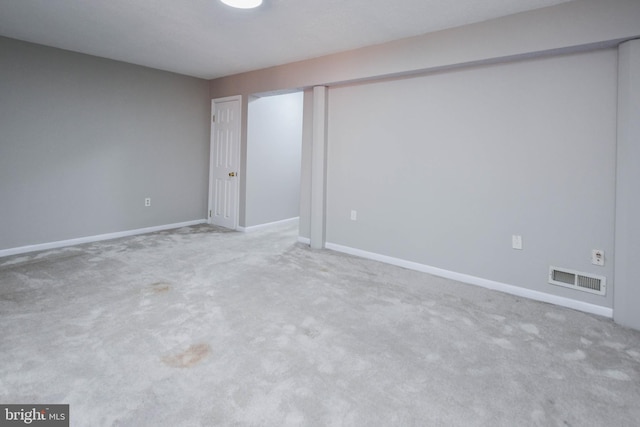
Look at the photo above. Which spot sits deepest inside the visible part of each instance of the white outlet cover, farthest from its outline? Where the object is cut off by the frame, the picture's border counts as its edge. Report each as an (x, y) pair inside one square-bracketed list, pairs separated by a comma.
[(516, 242), (354, 215), (597, 257)]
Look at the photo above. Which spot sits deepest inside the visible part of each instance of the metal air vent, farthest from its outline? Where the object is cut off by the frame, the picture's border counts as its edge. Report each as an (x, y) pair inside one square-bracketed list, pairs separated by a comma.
[(579, 281)]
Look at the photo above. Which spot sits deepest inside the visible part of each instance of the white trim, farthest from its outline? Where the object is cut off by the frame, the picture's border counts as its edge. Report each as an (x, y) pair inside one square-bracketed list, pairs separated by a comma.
[(228, 98), (305, 240), (472, 280), (96, 238), (267, 225)]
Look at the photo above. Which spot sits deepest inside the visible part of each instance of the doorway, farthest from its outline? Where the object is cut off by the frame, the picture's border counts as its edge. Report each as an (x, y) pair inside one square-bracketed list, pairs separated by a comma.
[(274, 158)]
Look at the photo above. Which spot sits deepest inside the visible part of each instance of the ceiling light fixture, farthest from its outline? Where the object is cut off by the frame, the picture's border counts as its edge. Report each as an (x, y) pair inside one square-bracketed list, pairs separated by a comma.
[(242, 4)]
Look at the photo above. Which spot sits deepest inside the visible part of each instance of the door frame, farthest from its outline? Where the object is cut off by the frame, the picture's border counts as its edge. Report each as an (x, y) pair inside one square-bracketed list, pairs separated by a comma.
[(210, 203)]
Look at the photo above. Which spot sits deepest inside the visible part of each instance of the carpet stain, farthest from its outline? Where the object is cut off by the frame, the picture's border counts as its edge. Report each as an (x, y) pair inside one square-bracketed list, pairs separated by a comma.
[(188, 358), (311, 332), (159, 288)]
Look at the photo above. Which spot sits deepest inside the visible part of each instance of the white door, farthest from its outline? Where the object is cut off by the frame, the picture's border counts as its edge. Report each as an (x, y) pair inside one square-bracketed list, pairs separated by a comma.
[(224, 162)]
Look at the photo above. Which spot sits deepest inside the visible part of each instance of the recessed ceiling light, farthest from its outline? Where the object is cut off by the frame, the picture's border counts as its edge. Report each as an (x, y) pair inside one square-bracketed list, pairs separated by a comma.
[(242, 4)]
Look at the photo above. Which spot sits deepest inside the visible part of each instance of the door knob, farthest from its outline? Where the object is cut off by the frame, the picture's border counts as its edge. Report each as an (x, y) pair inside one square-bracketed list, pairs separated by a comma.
[(232, 174)]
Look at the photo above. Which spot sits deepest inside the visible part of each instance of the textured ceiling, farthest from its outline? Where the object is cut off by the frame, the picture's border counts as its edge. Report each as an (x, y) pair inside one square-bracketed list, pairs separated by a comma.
[(207, 39)]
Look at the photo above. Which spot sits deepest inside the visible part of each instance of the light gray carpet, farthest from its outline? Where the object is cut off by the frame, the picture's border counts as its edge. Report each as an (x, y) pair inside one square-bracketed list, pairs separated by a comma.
[(198, 326)]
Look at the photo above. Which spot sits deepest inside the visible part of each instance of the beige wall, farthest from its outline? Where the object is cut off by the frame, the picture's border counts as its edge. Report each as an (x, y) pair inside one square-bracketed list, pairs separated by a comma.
[(567, 27), (558, 41)]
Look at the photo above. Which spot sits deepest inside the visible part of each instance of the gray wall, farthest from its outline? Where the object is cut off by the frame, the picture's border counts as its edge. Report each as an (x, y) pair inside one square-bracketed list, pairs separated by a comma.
[(443, 169), (84, 140), (304, 228), (274, 143), (627, 265)]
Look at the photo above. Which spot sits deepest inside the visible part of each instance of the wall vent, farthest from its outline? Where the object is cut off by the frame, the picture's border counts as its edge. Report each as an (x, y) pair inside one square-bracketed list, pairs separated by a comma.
[(576, 280)]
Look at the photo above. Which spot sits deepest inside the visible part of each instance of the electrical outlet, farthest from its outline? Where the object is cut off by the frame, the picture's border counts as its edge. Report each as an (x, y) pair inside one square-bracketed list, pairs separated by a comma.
[(597, 257), (516, 242), (147, 201), (354, 215)]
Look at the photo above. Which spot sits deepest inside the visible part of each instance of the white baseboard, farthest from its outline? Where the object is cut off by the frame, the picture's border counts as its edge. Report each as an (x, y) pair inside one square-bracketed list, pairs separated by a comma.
[(267, 225), (97, 238), (305, 240), (472, 280)]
